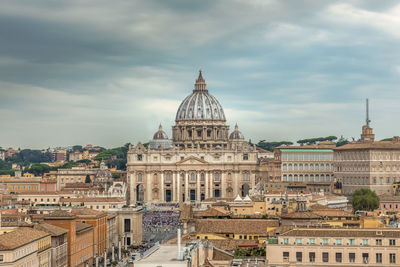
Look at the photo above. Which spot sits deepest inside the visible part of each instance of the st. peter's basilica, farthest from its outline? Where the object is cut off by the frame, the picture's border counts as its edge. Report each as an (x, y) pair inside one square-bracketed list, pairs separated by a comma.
[(202, 160)]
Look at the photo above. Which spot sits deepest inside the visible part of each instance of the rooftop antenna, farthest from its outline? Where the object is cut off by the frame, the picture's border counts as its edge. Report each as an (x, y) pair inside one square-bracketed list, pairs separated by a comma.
[(367, 111)]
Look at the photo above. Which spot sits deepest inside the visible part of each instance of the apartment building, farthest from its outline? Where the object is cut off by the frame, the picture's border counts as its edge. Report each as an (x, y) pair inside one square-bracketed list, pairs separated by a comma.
[(25, 247), (80, 237), (309, 163), (334, 247)]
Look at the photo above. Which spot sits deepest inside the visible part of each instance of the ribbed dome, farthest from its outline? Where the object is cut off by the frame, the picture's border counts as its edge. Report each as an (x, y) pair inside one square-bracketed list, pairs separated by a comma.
[(236, 134), (200, 105), (160, 134)]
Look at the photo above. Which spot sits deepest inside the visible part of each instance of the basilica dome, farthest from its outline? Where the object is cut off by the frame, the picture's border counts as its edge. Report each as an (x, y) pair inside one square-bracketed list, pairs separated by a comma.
[(160, 134), (236, 134), (200, 105)]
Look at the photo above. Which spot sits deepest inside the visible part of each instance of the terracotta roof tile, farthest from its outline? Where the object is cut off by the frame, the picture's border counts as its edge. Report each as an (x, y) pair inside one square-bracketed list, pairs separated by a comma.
[(236, 226), (20, 237), (51, 229), (344, 232), (370, 145)]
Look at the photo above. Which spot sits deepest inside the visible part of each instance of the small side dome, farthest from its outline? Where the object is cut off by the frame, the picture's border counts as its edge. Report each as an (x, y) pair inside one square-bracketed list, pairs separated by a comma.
[(160, 134), (236, 134)]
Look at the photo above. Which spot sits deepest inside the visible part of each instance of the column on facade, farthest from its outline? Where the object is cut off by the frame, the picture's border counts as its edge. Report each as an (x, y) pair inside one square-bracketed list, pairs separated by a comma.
[(187, 198), (174, 186), (132, 184), (211, 184), (198, 187), (223, 184), (162, 187), (253, 179), (148, 189), (236, 183), (178, 186), (206, 186)]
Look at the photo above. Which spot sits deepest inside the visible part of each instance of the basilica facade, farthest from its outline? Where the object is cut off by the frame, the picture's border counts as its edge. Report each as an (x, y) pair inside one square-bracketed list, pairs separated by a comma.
[(202, 160)]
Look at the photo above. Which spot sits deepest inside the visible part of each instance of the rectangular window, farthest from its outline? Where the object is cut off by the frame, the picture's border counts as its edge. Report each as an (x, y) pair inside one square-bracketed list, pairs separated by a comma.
[(338, 257), (325, 257), (1, 258), (299, 256), (299, 241), (127, 225), (352, 242), (338, 241), (311, 255), (245, 156), (285, 256), (325, 241), (378, 257), (365, 257), (392, 258), (392, 242), (139, 157), (378, 242), (365, 242), (312, 241), (352, 257), (286, 241)]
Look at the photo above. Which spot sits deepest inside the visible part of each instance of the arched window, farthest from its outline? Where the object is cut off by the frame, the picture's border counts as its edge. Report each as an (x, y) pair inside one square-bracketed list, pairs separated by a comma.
[(306, 167), (192, 177), (216, 178), (290, 178), (295, 166), (323, 178), (312, 178), (306, 178), (284, 166), (301, 166), (202, 177), (296, 178), (284, 177), (301, 177), (316, 178), (139, 177), (245, 176), (290, 167), (311, 167)]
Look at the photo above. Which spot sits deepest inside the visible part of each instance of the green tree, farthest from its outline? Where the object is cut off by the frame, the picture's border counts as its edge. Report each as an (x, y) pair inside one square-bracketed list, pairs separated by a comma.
[(87, 179), (342, 141), (271, 145), (115, 156), (77, 148), (38, 169), (365, 199)]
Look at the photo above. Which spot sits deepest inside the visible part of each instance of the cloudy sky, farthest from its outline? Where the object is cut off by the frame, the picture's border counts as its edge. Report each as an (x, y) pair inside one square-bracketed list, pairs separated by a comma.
[(108, 72)]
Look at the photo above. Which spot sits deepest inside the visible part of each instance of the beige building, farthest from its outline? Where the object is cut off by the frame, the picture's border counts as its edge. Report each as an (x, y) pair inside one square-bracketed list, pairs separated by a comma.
[(25, 246), (129, 226), (334, 247), (59, 244), (201, 161), (368, 163), (309, 163)]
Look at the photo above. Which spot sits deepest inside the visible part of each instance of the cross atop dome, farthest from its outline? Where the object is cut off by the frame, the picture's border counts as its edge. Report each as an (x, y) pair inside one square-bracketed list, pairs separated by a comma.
[(200, 84)]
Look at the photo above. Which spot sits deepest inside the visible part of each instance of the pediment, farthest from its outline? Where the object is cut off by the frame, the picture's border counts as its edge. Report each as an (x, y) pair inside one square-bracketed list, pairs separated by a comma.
[(191, 161)]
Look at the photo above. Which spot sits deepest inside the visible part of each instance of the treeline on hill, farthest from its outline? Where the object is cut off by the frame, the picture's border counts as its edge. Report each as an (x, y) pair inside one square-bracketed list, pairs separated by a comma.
[(270, 146), (24, 158), (311, 141), (115, 157), (28, 156)]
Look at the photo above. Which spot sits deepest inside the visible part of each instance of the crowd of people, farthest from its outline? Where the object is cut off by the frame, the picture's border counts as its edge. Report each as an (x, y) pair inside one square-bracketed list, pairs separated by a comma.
[(160, 225)]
